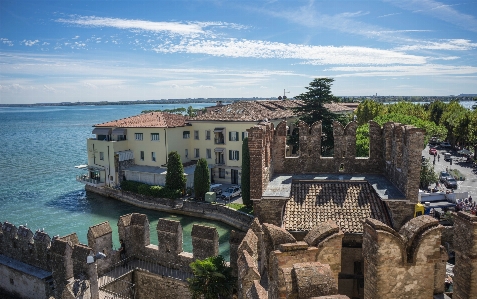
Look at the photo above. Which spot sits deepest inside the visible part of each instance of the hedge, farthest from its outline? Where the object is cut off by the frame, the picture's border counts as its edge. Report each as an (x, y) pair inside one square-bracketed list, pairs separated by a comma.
[(150, 190)]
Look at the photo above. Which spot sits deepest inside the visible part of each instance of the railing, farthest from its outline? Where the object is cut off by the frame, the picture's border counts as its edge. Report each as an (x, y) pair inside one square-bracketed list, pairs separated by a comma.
[(219, 140), (89, 181), (219, 162), (116, 271)]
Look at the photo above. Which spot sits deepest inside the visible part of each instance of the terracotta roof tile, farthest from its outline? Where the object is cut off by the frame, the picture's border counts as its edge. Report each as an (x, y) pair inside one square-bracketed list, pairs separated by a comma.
[(347, 203), (148, 120), (257, 110)]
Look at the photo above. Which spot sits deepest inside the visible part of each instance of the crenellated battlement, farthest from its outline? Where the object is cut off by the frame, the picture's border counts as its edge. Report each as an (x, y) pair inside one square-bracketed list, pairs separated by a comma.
[(393, 259), (76, 266), (298, 269)]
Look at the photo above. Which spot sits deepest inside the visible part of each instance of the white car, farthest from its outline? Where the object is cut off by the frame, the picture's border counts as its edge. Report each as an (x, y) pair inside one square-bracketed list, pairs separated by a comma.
[(231, 192)]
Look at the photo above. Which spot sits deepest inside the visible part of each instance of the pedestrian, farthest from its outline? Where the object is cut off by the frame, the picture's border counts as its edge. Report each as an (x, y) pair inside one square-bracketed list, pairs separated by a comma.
[(438, 157), (470, 199)]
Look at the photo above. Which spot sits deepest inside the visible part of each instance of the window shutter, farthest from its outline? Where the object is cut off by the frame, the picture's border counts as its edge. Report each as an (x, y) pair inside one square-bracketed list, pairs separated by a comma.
[(236, 136), (238, 155), (230, 155), (230, 136), (243, 136)]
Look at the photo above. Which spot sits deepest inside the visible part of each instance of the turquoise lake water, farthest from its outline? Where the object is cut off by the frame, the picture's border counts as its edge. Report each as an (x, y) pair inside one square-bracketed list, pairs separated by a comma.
[(40, 147)]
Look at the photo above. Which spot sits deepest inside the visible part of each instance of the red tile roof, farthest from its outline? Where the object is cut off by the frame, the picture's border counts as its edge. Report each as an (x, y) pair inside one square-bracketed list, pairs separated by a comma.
[(347, 203), (148, 120), (257, 110)]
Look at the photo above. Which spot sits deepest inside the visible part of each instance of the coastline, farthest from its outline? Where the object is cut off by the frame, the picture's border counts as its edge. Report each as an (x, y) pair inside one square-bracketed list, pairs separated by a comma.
[(236, 219)]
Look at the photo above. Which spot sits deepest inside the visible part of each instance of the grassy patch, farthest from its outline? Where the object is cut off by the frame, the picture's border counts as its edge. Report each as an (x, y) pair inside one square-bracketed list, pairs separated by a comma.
[(241, 207), (457, 174)]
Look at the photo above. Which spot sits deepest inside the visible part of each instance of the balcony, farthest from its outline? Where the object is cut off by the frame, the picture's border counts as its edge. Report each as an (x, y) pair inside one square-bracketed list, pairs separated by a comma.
[(219, 162), (89, 181), (219, 140)]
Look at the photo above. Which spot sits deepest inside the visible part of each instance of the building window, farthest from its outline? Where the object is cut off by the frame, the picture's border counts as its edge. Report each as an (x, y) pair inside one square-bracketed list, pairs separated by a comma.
[(186, 153), (154, 136), (196, 153), (233, 136), (244, 135), (138, 136), (208, 153), (186, 134), (196, 135), (101, 155), (153, 156), (207, 135), (233, 155), (222, 173), (142, 155)]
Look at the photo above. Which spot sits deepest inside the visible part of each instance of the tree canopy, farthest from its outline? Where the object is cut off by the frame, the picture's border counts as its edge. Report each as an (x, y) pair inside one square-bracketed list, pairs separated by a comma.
[(313, 110), (175, 178), (212, 279), (201, 178)]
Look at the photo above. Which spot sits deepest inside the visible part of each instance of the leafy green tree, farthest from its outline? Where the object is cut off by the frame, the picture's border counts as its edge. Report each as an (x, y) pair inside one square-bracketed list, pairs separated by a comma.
[(436, 109), (175, 178), (362, 133), (246, 174), (191, 111), (201, 178), (427, 176), (313, 110), (456, 119), (368, 110), (408, 108), (473, 131), (212, 279)]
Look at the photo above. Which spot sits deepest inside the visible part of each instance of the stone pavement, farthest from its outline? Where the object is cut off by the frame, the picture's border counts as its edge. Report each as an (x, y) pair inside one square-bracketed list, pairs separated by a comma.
[(470, 183)]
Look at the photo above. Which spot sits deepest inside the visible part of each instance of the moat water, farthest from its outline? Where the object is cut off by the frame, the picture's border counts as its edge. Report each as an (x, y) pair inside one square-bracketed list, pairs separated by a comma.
[(40, 147)]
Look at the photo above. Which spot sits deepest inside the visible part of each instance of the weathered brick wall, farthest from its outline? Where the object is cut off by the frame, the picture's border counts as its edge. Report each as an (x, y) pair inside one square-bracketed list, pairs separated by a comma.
[(465, 246), (155, 286), (205, 241), (260, 148), (247, 273), (401, 212), (394, 261), (270, 210)]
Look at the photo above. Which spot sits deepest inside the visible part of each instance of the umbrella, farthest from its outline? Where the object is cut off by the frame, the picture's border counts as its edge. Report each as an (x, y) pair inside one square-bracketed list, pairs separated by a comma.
[(465, 152)]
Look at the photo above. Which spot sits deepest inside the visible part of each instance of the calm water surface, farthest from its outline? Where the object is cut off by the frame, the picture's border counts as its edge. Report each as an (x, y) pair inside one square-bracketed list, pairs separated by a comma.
[(40, 147)]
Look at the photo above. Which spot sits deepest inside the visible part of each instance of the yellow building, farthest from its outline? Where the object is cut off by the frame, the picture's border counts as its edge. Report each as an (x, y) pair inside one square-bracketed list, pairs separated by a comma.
[(136, 148)]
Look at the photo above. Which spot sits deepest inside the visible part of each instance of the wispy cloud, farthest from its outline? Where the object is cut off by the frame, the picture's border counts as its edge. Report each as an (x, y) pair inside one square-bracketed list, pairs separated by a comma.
[(440, 11), (7, 42), (179, 28), (404, 70), (445, 44), (389, 15), (30, 43), (312, 54)]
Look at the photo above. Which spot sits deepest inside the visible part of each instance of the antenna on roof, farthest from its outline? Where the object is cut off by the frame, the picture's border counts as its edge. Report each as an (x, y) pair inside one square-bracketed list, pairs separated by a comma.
[(284, 92)]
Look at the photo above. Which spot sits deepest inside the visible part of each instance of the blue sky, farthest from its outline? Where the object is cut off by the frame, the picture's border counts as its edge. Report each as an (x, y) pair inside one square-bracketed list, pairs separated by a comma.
[(61, 51)]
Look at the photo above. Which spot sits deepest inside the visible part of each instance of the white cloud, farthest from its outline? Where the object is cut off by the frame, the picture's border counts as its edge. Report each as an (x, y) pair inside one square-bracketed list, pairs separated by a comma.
[(404, 70), (7, 42), (440, 11), (445, 44), (312, 54), (180, 28), (389, 15), (29, 43)]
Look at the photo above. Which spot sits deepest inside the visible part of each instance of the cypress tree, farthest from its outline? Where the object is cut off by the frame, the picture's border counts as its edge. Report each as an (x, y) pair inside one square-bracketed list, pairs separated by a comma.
[(175, 178), (246, 173), (201, 178)]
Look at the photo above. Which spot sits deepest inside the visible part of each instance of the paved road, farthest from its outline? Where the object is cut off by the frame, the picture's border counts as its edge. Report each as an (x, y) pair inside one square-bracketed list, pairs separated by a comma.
[(470, 183)]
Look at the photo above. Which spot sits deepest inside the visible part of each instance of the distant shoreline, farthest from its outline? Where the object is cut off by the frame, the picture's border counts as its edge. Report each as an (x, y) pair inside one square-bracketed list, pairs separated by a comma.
[(345, 99)]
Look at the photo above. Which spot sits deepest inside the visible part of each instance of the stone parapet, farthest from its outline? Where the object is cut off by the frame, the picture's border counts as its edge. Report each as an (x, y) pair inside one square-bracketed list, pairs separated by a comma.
[(465, 246), (392, 260)]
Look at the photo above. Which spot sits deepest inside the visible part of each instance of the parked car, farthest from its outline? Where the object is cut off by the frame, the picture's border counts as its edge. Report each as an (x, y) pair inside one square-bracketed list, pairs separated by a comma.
[(434, 141), (443, 176), (450, 183), (447, 157), (432, 151), (216, 188), (445, 144), (231, 192)]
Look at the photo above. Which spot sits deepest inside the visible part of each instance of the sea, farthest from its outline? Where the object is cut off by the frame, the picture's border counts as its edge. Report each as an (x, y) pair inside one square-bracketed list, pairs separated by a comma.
[(39, 149)]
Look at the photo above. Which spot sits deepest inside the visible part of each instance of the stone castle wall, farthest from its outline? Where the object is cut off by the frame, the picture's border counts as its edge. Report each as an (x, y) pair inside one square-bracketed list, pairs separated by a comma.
[(404, 264), (64, 259), (465, 246), (395, 151)]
